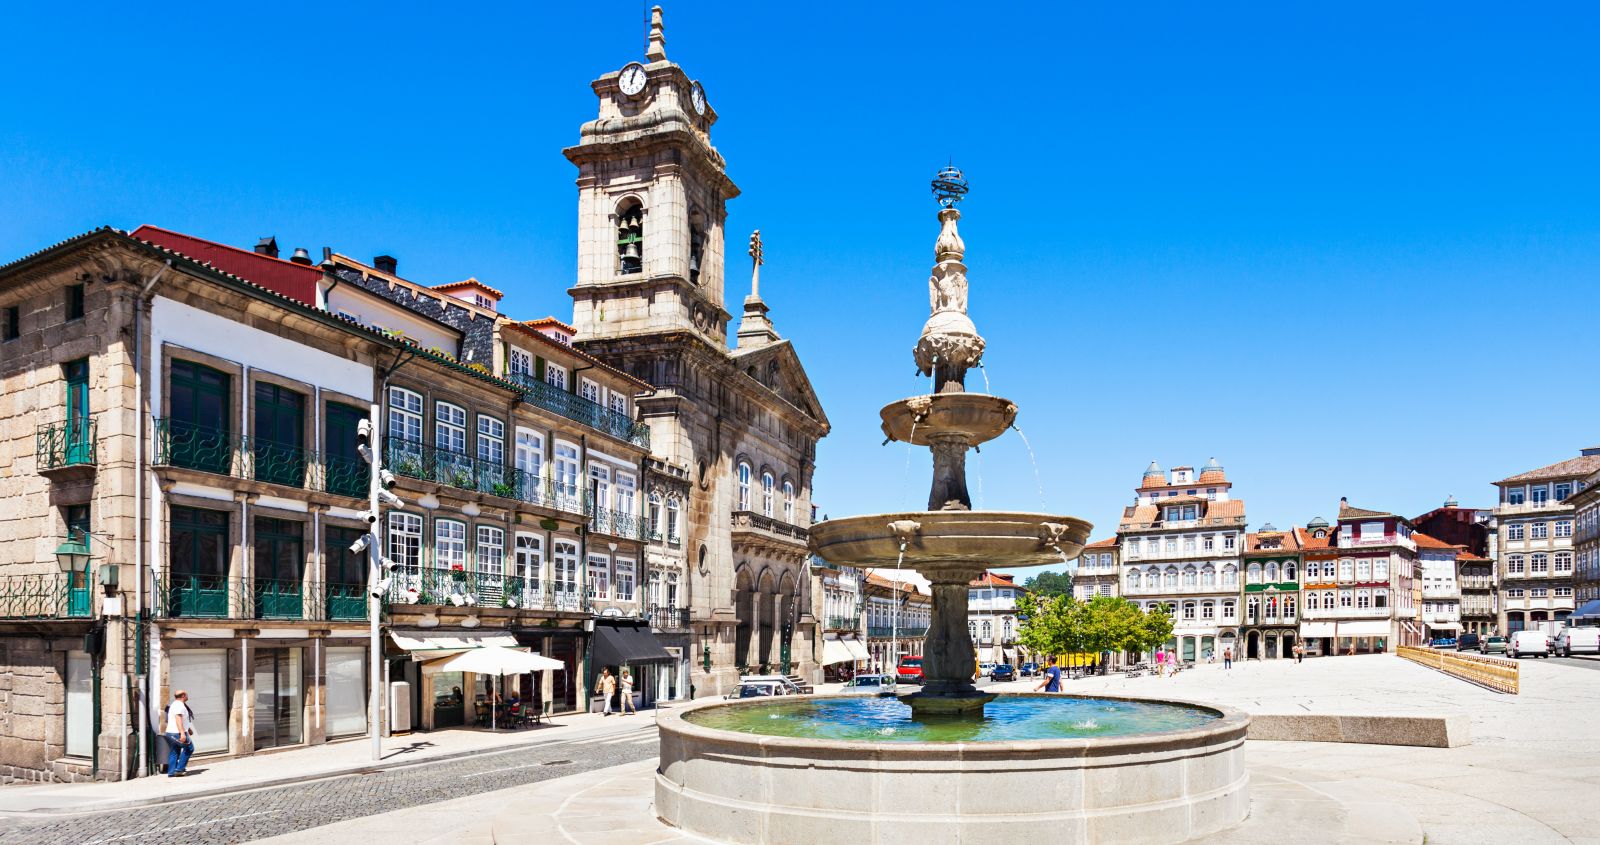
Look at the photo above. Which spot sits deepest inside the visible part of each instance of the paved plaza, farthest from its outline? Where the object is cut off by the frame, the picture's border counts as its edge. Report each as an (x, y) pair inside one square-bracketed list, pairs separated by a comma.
[(1527, 776)]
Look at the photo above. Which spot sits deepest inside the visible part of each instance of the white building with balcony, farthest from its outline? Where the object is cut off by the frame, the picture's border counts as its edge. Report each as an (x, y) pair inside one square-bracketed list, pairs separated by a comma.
[(840, 613), (1535, 554), (1438, 572), (1181, 546), (1096, 572), (1358, 590), (992, 617)]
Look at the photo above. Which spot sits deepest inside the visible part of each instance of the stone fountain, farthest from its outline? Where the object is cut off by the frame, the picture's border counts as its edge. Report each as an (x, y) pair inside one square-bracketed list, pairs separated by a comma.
[(950, 544), (863, 770)]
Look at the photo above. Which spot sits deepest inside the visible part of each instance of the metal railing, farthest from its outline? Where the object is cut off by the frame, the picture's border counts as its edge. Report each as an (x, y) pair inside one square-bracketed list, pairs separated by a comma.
[(220, 597), (46, 595), (1204, 522), (668, 618), (844, 623), (66, 444), (215, 450), (459, 588), (890, 630), (613, 522), (747, 520), (456, 469), (1532, 507), (1493, 673), (578, 409)]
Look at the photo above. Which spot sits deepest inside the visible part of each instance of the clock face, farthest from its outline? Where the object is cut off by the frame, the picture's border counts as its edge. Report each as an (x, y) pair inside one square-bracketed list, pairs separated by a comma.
[(697, 98), (632, 79)]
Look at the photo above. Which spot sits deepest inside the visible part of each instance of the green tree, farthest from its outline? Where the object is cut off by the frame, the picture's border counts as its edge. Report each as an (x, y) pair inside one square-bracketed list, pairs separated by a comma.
[(1050, 584), (1155, 628), (1050, 624)]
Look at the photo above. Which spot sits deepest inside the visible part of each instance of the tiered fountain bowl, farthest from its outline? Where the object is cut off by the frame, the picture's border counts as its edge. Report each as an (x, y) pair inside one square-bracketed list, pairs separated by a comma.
[(950, 763)]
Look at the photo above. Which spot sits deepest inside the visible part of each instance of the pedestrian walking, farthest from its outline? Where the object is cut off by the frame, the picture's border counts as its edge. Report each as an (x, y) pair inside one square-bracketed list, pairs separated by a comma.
[(180, 735), (1299, 652), (1227, 658), (1161, 663), (608, 688), (627, 692), (1052, 678)]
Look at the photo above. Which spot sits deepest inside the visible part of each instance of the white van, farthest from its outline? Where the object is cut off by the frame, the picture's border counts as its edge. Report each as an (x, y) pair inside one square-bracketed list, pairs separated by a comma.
[(1578, 641), (1535, 643)]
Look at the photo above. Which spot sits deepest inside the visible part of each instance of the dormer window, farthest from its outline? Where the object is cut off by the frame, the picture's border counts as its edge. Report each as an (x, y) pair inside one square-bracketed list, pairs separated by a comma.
[(630, 239)]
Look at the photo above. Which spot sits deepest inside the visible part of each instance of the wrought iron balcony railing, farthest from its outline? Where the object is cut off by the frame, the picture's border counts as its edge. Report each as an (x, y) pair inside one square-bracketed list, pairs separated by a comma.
[(902, 631), (665, 617), (185, 596), (66, 444), (578, 409), (455, 469), (843, 623), (46, 595), (215, 450), (616, 523), (459, 588)]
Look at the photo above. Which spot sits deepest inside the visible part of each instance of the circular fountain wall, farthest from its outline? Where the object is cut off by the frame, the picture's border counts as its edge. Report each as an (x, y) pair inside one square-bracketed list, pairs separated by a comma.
[(1180, 776)]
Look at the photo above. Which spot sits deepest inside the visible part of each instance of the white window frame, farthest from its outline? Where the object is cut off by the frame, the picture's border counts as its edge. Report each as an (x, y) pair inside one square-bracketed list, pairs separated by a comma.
[(788, 502), (450, 545), (404, 535), (767, 482), (490, 552), (742, 480), (405, 415), (624, 578), (555, 375), (598, 569), (449, 428)]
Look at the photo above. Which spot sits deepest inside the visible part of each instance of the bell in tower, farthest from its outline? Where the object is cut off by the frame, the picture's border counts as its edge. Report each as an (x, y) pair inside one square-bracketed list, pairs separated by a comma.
[(652, 201)]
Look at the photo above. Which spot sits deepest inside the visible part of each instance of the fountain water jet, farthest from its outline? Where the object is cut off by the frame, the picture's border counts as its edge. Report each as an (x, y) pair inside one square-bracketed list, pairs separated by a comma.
[(949, 544)]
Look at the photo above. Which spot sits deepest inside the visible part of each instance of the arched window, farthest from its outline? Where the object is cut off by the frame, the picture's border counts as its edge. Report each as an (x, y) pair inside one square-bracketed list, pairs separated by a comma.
[(988, 629), (1170, 578), (743, 476), (1272, 572), (1133, 580), (972, 628), (1327, 600), (697, 248), (1289, 571), (1288, 607), (788, 502), (630, 238), (1228, 609), (766, 494), (1190, 576), (1230, 576), (1380, 598), (1252, 608), (1208, 576), (673, 505), (1252, 574), (653, 514)]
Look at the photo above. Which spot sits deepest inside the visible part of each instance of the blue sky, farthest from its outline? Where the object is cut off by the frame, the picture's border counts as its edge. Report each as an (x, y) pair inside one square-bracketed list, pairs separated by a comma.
[(1347, 249)]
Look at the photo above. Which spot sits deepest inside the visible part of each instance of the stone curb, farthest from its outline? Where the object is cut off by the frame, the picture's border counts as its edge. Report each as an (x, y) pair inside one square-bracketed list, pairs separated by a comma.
[(1450, 731)]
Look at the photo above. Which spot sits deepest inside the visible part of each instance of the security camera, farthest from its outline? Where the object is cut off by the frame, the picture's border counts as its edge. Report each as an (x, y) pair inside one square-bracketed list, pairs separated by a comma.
[(380, 588), (369, 516), (388, 565), (361, 543), (390, 499), (386, 478), (364, 432)]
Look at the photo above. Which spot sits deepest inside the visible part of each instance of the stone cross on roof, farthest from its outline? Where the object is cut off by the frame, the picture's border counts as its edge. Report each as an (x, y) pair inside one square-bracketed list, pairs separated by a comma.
[(656, 48)]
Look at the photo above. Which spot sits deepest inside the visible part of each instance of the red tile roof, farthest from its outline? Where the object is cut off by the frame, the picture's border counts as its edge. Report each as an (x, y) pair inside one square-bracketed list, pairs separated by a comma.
[(295, 281), (1570, 468), (1305, 539), (1289, 542), (1425, 541), (992, 579), (469, 283), (549, 321), (1107, 543)]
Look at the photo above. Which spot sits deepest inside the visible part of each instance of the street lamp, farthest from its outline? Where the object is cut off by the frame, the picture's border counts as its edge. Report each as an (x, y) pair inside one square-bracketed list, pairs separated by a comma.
[(73, 555)]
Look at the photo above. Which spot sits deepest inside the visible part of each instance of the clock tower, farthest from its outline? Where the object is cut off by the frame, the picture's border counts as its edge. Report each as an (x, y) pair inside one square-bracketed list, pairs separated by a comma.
[(652, 199), (733, 431)]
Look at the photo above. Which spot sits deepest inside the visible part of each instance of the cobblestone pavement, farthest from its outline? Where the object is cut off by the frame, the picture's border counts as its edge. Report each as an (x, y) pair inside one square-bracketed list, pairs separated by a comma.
[(245, 816)]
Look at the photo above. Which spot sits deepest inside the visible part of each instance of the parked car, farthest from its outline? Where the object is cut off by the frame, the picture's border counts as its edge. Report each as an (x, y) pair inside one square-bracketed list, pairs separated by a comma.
[(868, 683), (789, 687), (1002, 672), (909, 671), (1493, 645), (1443, 642), (1533, 643), (1029, 670), (1467, 642), (758, 689), (1572, 641), (985, 668)]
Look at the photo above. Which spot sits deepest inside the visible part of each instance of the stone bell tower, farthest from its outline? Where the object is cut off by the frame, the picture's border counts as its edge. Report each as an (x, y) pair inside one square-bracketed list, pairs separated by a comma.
[(652, 199)]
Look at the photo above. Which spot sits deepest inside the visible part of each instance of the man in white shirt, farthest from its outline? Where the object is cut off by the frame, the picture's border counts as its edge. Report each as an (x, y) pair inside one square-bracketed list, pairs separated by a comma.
[(180, 734)]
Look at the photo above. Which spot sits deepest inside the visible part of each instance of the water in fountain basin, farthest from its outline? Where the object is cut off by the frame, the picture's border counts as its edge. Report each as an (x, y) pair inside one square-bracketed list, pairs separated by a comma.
[(1037, 481), (1006, 718)]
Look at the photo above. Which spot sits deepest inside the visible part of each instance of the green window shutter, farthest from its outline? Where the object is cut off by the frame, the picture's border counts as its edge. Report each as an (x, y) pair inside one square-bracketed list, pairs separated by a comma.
[(538, 368)]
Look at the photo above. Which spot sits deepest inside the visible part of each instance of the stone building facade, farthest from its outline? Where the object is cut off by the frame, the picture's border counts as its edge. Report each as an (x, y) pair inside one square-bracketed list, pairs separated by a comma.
[(1182, 543), (1536, 523), (649, 300), (1270, 600), (1098, 572), (1586, 540)]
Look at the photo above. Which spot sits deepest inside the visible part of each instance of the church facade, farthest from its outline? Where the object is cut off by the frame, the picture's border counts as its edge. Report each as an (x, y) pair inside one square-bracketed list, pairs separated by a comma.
[(740, 421)]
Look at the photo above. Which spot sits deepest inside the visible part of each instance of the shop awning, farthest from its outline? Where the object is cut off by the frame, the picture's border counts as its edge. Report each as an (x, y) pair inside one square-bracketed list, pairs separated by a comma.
[(1316, 629), (835, 651), (429, 645), (1449, 627), (858, 649), (493, 660), (618, 645), (1365, 628), (1589, 610)]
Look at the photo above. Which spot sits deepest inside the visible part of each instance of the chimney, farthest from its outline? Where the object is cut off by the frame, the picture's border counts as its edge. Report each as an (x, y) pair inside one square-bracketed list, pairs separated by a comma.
[(267, 246), (301, 256), (386, 264)]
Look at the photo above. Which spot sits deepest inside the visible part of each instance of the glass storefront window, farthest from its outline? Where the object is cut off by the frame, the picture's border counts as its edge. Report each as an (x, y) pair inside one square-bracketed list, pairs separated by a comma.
[(80, 705)]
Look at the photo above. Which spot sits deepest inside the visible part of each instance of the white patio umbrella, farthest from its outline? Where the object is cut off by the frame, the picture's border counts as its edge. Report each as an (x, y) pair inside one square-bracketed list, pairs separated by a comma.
[(495, 661)]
